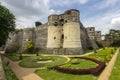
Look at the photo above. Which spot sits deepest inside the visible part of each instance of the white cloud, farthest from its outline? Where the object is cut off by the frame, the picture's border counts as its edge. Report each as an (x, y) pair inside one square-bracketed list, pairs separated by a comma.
[(106, 3), (82, 1), (104, 22), (67, 2), (115, 22), (29, 11)]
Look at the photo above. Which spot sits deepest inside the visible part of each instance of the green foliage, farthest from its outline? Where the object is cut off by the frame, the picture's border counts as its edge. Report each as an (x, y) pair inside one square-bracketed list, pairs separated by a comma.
[(90, 48), (95, 51), (103, 55), (10, 75), (21, 57), (48, 74), (38, 23), (100, 45), (79, 64), (31, 62), (114, 37), (116, 69), (29, 47), (12, 56), (7, 24), (36, 51), (103, 48)]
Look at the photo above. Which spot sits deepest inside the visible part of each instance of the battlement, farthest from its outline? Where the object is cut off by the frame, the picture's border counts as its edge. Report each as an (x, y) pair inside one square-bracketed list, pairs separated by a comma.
[(71, 15)]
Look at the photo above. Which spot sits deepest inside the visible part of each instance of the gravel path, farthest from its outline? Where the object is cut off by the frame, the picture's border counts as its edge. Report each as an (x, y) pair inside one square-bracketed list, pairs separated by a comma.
[(107, 71), (23, 73)]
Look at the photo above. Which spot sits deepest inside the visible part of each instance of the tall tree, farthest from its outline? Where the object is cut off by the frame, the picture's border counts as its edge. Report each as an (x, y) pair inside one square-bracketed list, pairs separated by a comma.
[(7, 24), (114, 37), (38, 23), (29, 47)]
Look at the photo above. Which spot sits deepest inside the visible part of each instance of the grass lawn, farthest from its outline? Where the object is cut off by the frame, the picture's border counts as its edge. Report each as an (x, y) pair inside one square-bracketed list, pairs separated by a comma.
[(16, 56), (103, 55), (80, 64), (55, 75), (31, 62), (115, 74), (49, 74)]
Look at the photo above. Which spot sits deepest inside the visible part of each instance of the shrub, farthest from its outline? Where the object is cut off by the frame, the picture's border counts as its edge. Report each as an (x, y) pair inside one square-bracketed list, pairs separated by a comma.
[(90, 48), (29, 47), (100, 45), (94, 71), (20, 57), (95, 51), (10, 75), (36, 50)]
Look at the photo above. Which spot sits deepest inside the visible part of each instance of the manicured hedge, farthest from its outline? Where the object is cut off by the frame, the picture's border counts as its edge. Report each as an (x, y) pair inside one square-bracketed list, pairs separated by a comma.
[(94, 71)]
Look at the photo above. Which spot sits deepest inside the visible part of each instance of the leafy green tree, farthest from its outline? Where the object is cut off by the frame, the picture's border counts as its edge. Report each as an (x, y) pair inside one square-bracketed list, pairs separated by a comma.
[(114, 37), (36, 51), (38, 23), (7, 24), (100, 45), (29, 47)]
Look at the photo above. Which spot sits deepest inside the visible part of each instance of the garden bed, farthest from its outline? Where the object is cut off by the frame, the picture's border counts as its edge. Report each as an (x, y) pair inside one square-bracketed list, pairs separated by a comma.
[(10, 75), (94, 71)]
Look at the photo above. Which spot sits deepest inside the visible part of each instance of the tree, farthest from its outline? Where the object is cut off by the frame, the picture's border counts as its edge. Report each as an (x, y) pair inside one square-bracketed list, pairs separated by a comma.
[(7, 24), (114, 37), (29, 47), (38, 23)]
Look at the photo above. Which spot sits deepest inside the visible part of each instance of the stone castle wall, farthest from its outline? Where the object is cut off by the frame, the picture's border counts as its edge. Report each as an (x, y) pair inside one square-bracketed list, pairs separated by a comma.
[(62, 34)]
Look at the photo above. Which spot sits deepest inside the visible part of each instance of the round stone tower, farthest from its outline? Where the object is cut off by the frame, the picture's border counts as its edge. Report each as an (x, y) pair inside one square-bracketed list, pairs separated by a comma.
[(54, 32), (71, 30)]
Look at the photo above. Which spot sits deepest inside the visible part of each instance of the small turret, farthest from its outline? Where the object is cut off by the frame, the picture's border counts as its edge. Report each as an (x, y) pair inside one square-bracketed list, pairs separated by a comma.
[(53, 20), (71, 16)]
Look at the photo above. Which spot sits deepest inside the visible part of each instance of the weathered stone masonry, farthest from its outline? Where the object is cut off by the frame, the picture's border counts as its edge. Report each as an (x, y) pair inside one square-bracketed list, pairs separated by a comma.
[(62, 34)]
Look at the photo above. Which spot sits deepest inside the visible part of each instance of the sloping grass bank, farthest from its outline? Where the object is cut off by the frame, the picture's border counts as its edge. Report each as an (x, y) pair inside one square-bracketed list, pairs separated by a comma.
[(115, 74)]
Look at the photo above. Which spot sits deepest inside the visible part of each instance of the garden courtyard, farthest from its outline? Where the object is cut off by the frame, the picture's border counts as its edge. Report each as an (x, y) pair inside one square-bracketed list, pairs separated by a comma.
[(42, 66)]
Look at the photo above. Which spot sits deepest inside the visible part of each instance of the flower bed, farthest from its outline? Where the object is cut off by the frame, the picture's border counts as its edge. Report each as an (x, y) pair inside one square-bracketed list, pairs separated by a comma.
[(94, 71)]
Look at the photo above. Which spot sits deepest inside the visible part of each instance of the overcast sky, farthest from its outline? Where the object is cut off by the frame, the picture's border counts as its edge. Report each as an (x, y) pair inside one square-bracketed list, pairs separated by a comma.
[(101, 14)]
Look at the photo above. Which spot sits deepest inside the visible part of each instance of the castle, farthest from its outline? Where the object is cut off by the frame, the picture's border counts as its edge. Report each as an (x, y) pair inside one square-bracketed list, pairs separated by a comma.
[(62, 34)]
